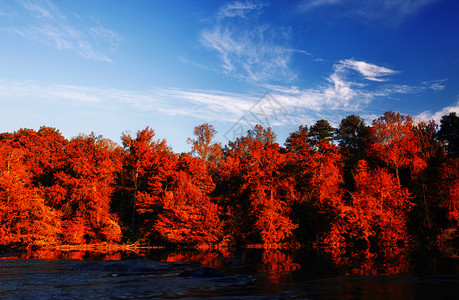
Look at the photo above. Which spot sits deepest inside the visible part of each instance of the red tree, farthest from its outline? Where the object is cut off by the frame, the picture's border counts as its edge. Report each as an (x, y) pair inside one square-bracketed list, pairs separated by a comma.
[(377, 214), (396, 144), (263, 196), (188, 215), (83, 188), (25, 220)]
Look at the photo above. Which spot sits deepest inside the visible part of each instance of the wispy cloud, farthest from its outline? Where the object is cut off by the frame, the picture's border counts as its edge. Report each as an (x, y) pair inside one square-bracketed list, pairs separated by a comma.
[(202, 104), (435, 85), (312, 4), (436, 116), (247, 49), (45, 23), (345, 91), (350, 88), (239, 9), (369, 71), (391, 12)]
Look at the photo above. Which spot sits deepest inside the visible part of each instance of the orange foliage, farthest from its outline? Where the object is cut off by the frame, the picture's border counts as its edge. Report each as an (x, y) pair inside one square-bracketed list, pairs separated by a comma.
[(396, 143), (54, 190), (148, 168), (317, 170), (188, 215), (264, 195), (277, 263), (25, 220), (377, 215), (171, 193), (83, 188), (449, 189), (203, 146)]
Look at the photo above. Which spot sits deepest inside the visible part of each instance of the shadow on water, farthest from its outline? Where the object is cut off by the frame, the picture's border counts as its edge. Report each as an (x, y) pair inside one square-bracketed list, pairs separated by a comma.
[(252, 273)]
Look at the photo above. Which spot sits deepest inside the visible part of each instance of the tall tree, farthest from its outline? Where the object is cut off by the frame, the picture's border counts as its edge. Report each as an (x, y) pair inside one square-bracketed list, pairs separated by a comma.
[(299, 163), (189, 216), (25, 219), (351, 134), (449, 133), (83, 188), (203, 145), (321, 130), (396, 144), (148, 171), (377, 215), (353, 137), (261, 203)]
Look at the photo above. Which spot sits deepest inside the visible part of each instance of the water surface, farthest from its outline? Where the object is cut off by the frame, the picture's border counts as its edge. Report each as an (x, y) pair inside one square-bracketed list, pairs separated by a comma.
[(250, 274)]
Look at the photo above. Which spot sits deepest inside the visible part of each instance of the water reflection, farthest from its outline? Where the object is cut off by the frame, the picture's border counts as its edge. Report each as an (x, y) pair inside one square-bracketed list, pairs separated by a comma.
[(319, 273), (278, 264), (356, 262), (208, 259), (64, 255)]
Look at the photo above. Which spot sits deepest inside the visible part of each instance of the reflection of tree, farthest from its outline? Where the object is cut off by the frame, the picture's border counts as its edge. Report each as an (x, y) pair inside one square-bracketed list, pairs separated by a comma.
[(206, 258), (354, 262), (53, 254), (277, 263)]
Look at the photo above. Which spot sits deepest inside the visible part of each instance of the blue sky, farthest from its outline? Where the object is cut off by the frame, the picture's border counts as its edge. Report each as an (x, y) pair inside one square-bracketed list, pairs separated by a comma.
[(113, 66)]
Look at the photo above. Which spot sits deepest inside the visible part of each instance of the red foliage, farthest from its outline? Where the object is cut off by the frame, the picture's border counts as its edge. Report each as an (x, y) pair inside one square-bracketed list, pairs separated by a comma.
[(264, 194), (377, 215), (148, 167), (83, 187), (448, 189), (396, 143), (53, 190), (171, 194), (25, 220), (188, 215), (277, 263)]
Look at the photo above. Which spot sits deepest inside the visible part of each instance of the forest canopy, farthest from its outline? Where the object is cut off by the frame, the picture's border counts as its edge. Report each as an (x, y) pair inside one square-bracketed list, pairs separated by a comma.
[(373, 187)]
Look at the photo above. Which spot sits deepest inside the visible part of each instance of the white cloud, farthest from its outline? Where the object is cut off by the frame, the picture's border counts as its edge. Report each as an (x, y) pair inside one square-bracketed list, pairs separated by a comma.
[(435, 85), (201, 104), (311, 4), (341, 94), (390, 12), (44, 23), (369, 71), (436, 116), (248, 50), (239, 9)]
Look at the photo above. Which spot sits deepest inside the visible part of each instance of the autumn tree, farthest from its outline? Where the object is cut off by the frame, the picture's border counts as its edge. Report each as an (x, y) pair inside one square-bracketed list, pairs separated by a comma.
[(43, 153), (396, 144), (316, 173), (318, 169), (83, 188), (377, 215), (147, 176), (446, 187), (299, 157), (203, 145), (25, 219), (353, 139), (260, 203), (188, 214), (422, 185)]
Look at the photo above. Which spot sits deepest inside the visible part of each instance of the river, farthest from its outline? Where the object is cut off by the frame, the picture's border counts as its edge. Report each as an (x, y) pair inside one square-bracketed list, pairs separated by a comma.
[(248, 274)]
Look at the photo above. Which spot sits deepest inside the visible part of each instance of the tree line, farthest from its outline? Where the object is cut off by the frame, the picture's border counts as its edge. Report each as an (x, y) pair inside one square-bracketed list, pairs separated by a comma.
[(372, 187)]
